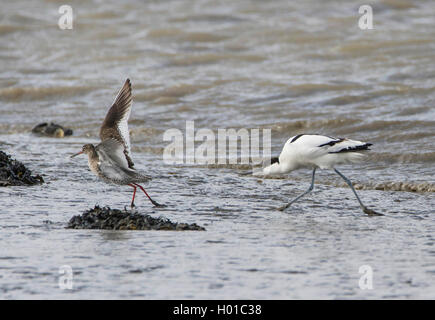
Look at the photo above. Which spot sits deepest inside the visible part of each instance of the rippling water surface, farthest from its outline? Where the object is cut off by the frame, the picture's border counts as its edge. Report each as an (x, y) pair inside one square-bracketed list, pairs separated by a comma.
[(292, 67)]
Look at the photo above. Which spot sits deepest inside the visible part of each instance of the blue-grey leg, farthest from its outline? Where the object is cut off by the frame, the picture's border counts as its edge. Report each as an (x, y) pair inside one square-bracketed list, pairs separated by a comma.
[(366, 210), (300, 196)]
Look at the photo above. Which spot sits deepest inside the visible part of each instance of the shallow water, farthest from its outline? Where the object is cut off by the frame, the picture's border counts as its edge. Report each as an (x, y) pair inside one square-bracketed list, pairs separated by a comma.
[(290, 67)]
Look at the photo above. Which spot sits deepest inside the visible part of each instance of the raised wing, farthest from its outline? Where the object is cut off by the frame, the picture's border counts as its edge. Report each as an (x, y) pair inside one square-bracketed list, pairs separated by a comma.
[(115, 125)]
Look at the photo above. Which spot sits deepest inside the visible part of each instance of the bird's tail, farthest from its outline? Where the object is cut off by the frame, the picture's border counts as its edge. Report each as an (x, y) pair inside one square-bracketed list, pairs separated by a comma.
[(350, 150), (348, 146), (143, 178)]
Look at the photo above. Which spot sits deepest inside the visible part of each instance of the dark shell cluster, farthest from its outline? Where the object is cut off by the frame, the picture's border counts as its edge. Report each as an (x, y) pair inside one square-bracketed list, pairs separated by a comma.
[(14, 173), (115, 219)]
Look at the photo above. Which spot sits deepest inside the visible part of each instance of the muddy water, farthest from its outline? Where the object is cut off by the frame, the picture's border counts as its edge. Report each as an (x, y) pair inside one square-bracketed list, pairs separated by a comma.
[(292, 67)]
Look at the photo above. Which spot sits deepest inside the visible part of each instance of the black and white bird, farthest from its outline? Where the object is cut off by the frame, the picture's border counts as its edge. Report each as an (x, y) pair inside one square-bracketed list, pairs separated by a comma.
[(111, 159), (317, 151)]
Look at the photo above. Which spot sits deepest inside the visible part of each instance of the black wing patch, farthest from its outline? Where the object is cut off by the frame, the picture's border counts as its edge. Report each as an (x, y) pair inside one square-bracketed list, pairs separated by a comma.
[(355, 148), (333, 142)]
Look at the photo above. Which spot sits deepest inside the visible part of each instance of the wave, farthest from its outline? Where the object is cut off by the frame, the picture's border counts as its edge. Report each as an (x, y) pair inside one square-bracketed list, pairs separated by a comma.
[(171, 94), (311, 124), (41, 93), (5, 29), (177, 34), (385, 186), (403, 158), (209, 18), (211, 58), (393, 186), (356, 125)]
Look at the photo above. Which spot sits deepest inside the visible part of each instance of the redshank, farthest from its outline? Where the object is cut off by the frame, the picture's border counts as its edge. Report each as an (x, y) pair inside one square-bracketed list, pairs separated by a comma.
[(111, 159)]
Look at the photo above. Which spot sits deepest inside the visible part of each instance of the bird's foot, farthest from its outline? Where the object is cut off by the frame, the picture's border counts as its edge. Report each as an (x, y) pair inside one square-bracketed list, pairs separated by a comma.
[(282, 208), (157, 205), (133, 208), (371, 212)]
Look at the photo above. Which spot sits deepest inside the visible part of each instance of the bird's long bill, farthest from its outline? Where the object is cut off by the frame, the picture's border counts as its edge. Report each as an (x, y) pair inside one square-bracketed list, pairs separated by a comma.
[(74, 155)]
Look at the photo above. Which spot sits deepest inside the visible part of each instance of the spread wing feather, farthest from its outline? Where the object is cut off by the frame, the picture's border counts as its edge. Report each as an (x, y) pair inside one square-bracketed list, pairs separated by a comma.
[(115, 125)]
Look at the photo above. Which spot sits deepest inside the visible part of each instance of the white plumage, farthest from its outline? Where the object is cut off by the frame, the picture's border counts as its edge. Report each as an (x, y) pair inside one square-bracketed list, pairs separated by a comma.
[(123, 130), (312, 150), (317, 151)]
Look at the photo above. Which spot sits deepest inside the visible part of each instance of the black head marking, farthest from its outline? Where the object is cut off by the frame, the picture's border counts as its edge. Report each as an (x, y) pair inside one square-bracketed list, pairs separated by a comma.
[(274, 160), (296, 138)]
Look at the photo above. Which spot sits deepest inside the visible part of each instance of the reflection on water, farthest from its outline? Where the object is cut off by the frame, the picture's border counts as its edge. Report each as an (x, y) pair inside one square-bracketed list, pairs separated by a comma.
[(292, 67)]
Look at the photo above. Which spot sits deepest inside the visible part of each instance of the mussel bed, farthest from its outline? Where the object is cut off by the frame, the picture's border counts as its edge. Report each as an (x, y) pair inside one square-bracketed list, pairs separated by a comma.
[(115, 219), (14, 173)]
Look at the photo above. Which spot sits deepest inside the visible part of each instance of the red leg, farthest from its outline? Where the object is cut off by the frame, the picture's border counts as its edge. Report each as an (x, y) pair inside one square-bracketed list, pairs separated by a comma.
[(134, 193), (152, 201)]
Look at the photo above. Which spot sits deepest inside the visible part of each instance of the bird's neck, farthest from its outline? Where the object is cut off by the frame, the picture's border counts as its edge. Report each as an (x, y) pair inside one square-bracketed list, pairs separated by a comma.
[(277, 168), (93, 155)]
